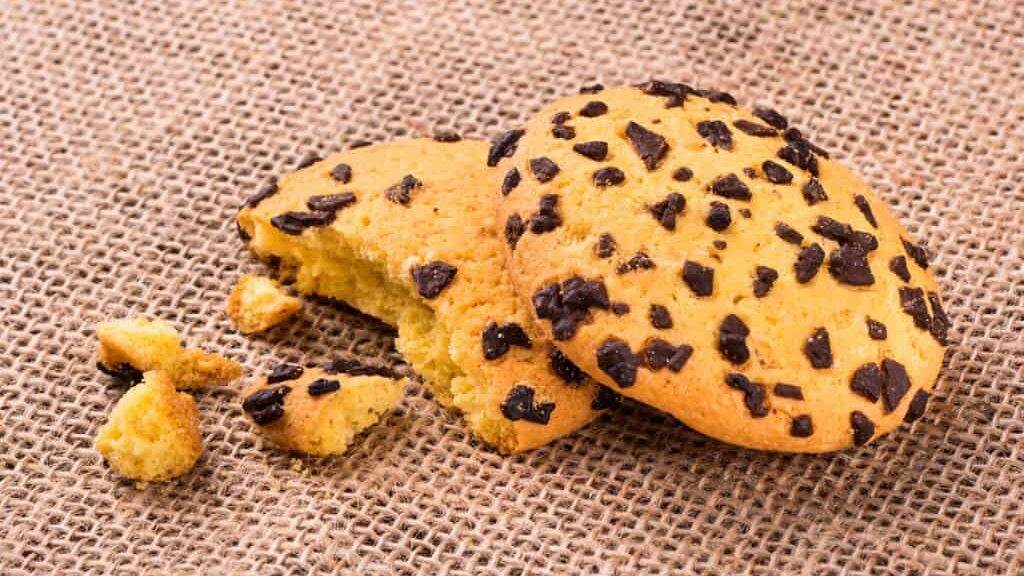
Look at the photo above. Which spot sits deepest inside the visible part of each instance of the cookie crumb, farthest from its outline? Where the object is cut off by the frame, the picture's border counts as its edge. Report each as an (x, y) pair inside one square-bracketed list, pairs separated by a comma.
[(258, 303)]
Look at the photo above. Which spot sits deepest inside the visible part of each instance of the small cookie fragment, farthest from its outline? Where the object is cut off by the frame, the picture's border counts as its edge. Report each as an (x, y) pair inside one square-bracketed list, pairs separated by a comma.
[(259, 303), (152, 433)]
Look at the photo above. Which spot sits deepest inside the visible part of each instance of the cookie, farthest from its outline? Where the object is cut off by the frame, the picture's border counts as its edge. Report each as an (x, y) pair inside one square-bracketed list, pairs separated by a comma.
[(318, 411), (130, 346), (405, 231), (731, 273), (258, 303), (153, 431)]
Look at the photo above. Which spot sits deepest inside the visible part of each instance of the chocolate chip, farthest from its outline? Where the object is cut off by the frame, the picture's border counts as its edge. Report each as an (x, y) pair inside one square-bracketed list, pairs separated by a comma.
[(568, 304), (620, 308), (732, 339), (360, 144), (511, 180), (750, 172), (896, 384), (605, 246), (561, 118), (898, 266), (447, 136), (818, 349), (867, 381), (754, 394), (593, 108), (591, 89), (564, 368), (658, 354), (665, 211), (639, 261), (849, 265), (788, 234), (801, 426), (717, 96), (544, 169), (844, 233), (716, 133), (497, 339), (520, 405), (674, 93), (764, 278), (342, 173), (124, 371), (771, 117), (432, 278), (916, 252), (877, 330), (730, 186), (917, 406), (596, 150), (755, 129), (322, 386), (546, 218), (579, 293), (913, 304), (660, 317), (814, 192), (719, 244), (283, 372), (604, 399), (267, 405), (563, 132), (514, 230), (793, 135), (401, 193), (308, 160), (799, 154), (293, 223), (682, 174), (615, 359), (504, 146), (354, 367), (790, 391), (330, 202), (745, 212), (267, 415), (865, 209), (808, 262), (609, 176), (940, 322), (863, 428), (718, 218), (649, 146), (700, 279), (776, 173)]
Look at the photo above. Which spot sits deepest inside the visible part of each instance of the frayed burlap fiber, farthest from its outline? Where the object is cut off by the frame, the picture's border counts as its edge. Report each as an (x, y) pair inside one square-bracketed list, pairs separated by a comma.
[(131, 131)]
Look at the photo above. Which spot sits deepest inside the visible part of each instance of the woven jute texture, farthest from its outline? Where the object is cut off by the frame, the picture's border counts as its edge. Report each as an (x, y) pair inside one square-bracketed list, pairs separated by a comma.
[(130, 131)]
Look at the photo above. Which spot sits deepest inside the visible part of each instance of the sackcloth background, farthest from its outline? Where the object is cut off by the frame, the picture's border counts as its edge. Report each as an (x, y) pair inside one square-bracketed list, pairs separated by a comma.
[(131, 131)]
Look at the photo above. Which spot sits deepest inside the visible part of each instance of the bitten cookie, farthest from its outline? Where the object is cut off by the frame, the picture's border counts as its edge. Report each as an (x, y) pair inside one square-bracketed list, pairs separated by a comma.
[(153, 432), (405, 232), (318, 411), (258, 303), (710, 261)]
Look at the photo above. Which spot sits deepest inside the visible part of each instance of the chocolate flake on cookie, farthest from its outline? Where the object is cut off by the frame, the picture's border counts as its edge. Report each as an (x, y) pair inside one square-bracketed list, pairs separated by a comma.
[(593, 109), (700, 279), (561, 117), (520, 405), (564, 368), (293, 223), (730, 186), (591, 88), (639, 261), (620, 308), (849, 265), (865, 209), (877, 330), (605, 398), (718, 218), (783, 390), (788, 234), (330, 202), (660, 317), (322, 386), (543, 169), (615, 359), (267, 405), (546, 219), (674, 93), (432, 278), (776, 173), (916, 252), (360, 144), (917, 406), (504, 146), (609, 176), (898, 266), (682, 174), (596, 150), (799, 154), (755, 129), (658, 354), (563, 132), (867, 381), (844, 233), (813, 192), (566, 305), (896, 384), (665, 211), (716, 133), (732, 339), (354, 367), (447, 136), (649, 146), (771, 117), (497, 339), (717, 96), (754, 394), (605, 246), (514, 230), (863, 428), (808, 262), (401, 193), (308, 160), (801, 426), (913, 304), (342, 173), (940, 322), (720, 244), (764, 279), (818, 349), (511, 180)]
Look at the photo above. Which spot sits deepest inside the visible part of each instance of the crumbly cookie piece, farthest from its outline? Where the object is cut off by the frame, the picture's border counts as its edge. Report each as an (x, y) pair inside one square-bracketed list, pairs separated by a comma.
[(128, 347), (258, 303), (711, 261), (153, 432), (405, 232), (318, 411)]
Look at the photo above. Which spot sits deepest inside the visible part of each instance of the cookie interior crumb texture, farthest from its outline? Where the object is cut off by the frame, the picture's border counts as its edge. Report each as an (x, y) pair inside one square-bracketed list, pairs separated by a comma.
[(258, 303), (128, 347), (153, 431)]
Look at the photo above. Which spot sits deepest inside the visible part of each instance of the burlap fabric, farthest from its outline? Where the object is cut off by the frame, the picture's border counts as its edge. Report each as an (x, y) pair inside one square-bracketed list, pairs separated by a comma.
[(130, 131)]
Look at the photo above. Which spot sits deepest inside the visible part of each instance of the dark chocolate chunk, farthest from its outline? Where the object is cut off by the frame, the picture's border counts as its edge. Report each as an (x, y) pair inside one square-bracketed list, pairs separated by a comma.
[(615, 359), (660, 317), (754, 394), (716, 133), (514, 230), (591, 89), (719, 244), (863, 428), (564, 368), (568, 304), (605, 246), (718, 217), (898, 266), (563, 132), (783, 390), (814, 192), (283, 372), (520, 405), (401, 193), (546, 218), (764, 279), (561, 118), (331, 202), (609, 176), (913, 304), (793, 134), (700, 279), (649, 146), (771, 117), (620, 308), (717, 96), (322, 386), (808, 262), (844, 233), (674, 93), (639, 261), (658, 354), (543, 169), (776, 173), (867, 381), (730, 186), (124, 371), (849, 265), (750, 172), (917, 406), (596, 150), (788, 234), (916, 252), (268, 415), (354, 367), (801, 427), (581, 294), (877, 330), (360, 144), (511, 180), (755, 129), (342, 173), (940, 322), (732, 339), (896, 384), (665, 211), (447, 136), (593, 108), (293, 223), (818, 349), (432, 278), (682, 174), (308, 160), (267, 405), (604, 399), (865, 209), (504, 146), (497, 339), (799, 154)]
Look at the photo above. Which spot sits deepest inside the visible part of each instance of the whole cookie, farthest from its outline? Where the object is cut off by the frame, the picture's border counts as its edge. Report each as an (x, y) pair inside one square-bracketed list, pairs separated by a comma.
[(405, 232), (710, 261)]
